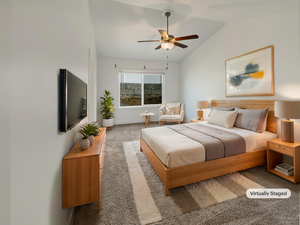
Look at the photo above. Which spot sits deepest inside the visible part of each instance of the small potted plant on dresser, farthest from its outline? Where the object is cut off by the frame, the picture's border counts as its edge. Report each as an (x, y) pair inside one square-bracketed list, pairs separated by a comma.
[(88, 130), (84, 142), (96, 127), (107, 110)]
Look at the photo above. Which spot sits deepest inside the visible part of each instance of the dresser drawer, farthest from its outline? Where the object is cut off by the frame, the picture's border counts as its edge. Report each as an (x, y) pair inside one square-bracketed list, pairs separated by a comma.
[(282, 149)]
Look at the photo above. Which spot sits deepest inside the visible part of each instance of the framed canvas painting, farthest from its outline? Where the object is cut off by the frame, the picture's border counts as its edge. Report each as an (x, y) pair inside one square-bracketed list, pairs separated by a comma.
[(250, 74)]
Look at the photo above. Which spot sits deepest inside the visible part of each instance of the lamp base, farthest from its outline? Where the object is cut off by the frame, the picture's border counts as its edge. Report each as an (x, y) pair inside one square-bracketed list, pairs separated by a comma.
[(199, 114), (287, 131)]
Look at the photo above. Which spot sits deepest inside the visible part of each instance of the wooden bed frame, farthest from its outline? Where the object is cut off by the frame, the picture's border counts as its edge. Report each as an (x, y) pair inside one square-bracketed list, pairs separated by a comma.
[(179, 176)]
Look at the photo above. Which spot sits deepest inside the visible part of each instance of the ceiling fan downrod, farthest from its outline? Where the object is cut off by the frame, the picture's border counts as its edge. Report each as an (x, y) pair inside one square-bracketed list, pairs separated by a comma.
[(167, 14)]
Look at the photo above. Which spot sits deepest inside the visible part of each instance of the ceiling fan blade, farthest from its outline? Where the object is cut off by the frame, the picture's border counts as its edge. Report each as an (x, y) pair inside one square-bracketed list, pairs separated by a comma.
[(158, 47), (164, 34), (180, 45), (195, 36), (151, 41)]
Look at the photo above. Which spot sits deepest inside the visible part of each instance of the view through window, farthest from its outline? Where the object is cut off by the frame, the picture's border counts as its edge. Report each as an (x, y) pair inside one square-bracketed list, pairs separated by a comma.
[(140, 89)]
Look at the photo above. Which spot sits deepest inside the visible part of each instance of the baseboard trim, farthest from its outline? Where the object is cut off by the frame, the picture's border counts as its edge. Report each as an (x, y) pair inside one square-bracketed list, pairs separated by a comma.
[(72, 217), (131, 122)]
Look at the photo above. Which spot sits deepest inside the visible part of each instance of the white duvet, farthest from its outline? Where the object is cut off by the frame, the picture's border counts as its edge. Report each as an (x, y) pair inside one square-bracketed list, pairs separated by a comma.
[(175, 150)]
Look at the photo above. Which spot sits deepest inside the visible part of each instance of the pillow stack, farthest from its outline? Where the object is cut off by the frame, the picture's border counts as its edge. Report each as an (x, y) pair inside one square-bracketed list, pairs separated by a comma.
[(171, 109), (221, 109), (176, 106), (249, 119)]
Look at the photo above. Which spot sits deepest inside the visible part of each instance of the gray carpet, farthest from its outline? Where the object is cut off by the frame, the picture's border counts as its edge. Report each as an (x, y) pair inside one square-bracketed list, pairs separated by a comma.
[(118, 206)]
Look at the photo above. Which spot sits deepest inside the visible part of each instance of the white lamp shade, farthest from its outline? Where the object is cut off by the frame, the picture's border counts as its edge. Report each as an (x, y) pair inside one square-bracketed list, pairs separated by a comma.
[(287, 109), (201, 104), (167, 45)]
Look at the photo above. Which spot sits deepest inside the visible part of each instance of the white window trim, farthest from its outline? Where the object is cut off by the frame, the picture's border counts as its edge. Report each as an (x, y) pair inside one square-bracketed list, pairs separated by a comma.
[(142, 98)]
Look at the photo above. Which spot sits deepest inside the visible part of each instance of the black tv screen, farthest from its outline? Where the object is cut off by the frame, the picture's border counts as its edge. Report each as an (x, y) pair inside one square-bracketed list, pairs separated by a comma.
[(73, 100)]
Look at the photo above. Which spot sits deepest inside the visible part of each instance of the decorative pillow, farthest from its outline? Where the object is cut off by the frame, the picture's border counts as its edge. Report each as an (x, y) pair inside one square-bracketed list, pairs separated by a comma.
[(222, 118), (170, 110), (221, 109), (176, 105), (163, 109), (251, 119)]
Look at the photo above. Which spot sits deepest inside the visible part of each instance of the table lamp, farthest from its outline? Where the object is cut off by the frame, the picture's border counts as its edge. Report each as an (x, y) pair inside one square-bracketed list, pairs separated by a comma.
[(199, 105), (289, 110)]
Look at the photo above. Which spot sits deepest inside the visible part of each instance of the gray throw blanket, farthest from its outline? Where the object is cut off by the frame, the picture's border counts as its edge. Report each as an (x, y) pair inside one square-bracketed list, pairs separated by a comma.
[(217, 143)]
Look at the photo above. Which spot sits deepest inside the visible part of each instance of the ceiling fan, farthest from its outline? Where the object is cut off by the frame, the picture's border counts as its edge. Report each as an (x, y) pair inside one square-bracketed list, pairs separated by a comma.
[(168, 40)]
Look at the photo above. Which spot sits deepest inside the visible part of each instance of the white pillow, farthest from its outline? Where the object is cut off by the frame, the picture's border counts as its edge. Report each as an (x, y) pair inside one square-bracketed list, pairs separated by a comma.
[(163, 109), (170, 110), (176, 105), (222, 118)]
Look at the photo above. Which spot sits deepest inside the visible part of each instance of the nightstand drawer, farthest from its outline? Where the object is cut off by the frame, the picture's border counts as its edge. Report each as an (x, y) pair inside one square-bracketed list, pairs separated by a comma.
[(282, 149)]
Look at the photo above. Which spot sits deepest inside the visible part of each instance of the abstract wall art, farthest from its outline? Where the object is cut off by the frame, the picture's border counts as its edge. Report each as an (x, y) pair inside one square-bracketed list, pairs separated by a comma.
[(250, 74)]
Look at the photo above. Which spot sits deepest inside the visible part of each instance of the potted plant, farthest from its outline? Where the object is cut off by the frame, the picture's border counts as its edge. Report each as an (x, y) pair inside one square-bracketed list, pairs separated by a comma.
[(89, 130), (84, 142), (96, 126), (107, 109)]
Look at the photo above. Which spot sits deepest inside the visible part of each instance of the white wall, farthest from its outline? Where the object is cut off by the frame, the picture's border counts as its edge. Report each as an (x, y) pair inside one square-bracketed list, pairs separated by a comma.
[(203, 72), (108, 79), (5, 27), (46, 36)]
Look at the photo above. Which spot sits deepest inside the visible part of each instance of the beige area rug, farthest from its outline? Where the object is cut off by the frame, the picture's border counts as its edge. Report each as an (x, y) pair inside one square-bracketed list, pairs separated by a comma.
[(187, 198)]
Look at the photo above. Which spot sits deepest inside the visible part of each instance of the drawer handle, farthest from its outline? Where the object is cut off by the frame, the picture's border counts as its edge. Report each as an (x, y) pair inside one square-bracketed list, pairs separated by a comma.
[(279, 147)]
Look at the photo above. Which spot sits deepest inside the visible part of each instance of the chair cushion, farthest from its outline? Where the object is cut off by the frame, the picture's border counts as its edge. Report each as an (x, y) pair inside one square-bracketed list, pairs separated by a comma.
[(170, 110), (177, 106), (170, 118)]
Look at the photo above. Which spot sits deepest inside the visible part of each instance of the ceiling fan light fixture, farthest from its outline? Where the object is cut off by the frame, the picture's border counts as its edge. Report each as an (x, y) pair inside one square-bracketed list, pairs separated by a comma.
[(167, 45)]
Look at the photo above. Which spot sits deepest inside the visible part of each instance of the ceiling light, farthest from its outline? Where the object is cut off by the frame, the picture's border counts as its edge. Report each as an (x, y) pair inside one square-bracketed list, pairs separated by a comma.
[(167, 45)]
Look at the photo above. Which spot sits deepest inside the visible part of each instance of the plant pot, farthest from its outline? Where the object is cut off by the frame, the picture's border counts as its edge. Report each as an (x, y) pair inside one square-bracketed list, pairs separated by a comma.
[(91, 139), (84, 144), (108, 122)]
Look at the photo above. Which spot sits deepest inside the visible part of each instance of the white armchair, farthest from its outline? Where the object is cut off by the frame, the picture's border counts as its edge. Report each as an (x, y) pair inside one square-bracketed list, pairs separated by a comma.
[(176, 114)]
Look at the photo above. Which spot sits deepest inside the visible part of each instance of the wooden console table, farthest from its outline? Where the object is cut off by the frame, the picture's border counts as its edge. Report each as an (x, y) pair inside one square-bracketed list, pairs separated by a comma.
[(82, 172)]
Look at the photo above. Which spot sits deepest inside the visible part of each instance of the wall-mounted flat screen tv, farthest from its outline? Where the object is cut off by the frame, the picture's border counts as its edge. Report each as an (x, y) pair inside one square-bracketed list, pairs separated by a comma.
[(72, 100)]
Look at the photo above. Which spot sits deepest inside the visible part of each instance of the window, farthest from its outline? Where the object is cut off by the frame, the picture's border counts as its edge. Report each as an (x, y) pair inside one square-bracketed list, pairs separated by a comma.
[(141, 89)]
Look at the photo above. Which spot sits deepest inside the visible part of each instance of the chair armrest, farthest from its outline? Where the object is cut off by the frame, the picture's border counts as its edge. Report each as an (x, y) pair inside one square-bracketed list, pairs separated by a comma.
[(160, 113)]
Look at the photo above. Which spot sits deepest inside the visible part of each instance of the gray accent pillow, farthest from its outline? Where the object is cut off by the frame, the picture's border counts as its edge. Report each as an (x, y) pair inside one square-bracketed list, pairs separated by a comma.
[(221, 109), (251, 119)]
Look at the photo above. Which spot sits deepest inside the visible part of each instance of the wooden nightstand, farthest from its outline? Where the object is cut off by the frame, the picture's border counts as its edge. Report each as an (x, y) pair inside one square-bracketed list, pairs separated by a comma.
[(276, 148), (196, 121)]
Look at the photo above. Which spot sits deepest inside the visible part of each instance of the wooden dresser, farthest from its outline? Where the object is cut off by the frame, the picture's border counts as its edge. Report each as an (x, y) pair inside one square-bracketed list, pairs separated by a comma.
[(82, 173)]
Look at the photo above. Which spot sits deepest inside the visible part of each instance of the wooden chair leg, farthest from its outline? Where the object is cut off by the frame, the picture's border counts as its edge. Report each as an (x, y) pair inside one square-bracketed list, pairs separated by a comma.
[(179, 122), (159, 123), (111, 128)]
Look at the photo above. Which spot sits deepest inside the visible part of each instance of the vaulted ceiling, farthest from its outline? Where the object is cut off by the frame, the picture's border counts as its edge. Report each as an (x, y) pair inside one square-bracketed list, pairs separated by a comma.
[(119, 24)]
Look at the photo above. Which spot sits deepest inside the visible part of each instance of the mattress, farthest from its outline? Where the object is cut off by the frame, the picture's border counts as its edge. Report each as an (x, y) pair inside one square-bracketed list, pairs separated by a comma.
[(175, 150)]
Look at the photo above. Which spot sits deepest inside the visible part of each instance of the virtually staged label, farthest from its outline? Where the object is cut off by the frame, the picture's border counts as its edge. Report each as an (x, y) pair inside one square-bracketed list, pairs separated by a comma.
[(268, 193)]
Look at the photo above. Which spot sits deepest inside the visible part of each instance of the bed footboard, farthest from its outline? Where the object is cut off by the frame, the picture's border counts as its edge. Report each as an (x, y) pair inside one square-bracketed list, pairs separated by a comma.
[(179, 176), (161, 170)]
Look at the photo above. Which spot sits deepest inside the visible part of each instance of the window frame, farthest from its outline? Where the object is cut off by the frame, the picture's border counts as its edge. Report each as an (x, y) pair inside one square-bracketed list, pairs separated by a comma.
[(142, 89)]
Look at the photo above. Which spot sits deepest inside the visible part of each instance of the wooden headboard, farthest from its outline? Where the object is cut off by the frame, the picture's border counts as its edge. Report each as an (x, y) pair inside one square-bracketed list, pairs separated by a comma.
[(251, 104)]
